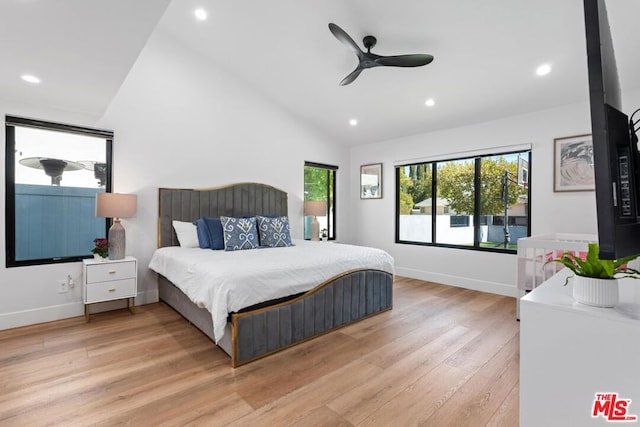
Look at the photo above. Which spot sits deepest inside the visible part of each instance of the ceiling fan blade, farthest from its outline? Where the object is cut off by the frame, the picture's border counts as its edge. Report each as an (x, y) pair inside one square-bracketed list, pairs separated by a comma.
[(416, 60), (351, 77), (343, 37)]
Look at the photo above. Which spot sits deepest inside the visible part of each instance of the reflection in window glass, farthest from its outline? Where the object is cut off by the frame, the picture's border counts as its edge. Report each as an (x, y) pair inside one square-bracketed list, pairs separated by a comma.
[(56, 176), (455, 202)]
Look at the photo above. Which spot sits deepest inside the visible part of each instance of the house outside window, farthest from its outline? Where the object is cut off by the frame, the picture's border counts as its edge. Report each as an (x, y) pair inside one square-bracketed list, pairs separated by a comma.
[(473, 197), (320, 198), (53, 173)]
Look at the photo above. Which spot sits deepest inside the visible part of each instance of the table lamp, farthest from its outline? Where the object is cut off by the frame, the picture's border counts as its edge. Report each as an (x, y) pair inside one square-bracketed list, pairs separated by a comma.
[(116, 206), (315, 208)]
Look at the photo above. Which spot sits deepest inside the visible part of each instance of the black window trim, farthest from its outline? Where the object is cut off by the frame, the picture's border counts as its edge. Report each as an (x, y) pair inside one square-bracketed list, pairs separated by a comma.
[(10, 218), (476, 158)]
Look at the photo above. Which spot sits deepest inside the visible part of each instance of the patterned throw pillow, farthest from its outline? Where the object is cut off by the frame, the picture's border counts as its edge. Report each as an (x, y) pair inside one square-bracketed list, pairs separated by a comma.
[(239, 233), (274, 232)]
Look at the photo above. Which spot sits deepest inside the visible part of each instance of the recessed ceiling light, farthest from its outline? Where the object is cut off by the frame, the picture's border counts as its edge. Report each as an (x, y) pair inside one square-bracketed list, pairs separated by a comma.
[(201, 14), (353, 122), (30, 78), (430, 102), (543, 70)]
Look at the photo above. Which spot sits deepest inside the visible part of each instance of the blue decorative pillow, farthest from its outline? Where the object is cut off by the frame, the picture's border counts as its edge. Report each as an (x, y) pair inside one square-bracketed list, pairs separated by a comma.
[(216, 236), (274, 231), (239, 233), (203, 233), (210, 233)]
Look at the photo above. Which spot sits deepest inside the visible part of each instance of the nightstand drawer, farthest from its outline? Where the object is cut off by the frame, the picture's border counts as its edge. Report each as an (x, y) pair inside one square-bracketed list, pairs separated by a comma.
[(110, 271), (106, 291)]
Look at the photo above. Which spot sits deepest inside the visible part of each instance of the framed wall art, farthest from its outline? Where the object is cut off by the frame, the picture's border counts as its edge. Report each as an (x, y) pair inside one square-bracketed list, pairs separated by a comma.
[(371, 181), (573, 163)]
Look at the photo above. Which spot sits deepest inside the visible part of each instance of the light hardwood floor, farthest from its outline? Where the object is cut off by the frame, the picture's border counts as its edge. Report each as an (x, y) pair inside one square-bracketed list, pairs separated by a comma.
[(442, 357)]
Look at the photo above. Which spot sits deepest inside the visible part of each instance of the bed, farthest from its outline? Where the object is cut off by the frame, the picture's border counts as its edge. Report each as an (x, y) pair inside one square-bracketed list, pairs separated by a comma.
[(268, 326)]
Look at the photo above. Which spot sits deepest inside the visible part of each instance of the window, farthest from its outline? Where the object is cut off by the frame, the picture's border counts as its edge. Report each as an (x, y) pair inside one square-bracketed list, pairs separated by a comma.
[(320, 198), (53, 173), (459, 221), (474, 198), (455, 192)]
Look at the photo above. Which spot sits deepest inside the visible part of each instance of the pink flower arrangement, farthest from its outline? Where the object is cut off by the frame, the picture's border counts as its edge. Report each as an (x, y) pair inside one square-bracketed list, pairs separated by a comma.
[(101, 248)]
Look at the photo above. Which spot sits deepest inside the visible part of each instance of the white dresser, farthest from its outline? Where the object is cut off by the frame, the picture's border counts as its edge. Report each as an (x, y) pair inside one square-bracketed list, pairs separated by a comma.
[(109, 280), (569, 352)]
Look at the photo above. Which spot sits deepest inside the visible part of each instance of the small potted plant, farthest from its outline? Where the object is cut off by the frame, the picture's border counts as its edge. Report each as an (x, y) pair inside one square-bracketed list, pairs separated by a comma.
[(595, 282), (101, 249)]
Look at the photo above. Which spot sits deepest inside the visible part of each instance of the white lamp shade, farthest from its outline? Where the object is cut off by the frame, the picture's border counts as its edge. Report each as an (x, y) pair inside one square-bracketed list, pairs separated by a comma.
[(115, 205), (315, 208)]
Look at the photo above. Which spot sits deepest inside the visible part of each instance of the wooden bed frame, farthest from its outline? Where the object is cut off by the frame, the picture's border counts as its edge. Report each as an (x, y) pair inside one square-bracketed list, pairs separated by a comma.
[(250, 335)]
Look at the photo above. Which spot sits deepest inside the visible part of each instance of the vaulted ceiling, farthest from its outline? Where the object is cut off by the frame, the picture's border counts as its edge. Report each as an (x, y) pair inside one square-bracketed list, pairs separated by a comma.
[(486, 54)]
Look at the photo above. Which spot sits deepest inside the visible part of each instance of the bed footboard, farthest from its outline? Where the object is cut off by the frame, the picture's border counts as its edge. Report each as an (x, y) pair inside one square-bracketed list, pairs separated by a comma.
[(350, 297), (257, 333)]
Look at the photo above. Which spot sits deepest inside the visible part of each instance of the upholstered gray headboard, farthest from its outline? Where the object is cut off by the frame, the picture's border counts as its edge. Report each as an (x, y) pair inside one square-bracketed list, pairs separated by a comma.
[(232, 200)]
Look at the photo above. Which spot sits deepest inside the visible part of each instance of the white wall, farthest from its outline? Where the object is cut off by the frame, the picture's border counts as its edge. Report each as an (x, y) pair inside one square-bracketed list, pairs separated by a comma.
[(179, 121), (575, 212)]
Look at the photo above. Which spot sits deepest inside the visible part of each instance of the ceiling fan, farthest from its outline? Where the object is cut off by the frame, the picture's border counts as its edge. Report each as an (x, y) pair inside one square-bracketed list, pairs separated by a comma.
[(370, 60)]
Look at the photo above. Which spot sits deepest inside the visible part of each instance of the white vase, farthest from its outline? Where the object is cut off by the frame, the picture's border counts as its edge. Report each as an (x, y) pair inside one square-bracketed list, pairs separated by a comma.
[(98, 258), (595, 292)]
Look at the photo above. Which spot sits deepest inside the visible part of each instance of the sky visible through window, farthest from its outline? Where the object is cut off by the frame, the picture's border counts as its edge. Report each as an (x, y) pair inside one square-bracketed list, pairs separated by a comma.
[(38, 143)]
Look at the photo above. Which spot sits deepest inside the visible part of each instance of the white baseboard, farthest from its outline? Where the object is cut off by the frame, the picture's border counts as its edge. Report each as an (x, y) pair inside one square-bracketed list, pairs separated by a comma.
[(65, 311), (40, 315), (460, 282)]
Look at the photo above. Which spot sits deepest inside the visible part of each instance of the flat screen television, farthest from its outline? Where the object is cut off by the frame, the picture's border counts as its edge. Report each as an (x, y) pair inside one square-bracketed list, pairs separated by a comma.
[(615, 153)]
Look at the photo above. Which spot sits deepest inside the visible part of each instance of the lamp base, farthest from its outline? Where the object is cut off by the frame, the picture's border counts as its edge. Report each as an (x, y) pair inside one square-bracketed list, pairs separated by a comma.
[(116, 240), (315, 229)]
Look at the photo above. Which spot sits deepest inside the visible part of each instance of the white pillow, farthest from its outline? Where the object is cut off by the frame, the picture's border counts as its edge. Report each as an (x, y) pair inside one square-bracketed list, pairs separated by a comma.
[(187, 234)]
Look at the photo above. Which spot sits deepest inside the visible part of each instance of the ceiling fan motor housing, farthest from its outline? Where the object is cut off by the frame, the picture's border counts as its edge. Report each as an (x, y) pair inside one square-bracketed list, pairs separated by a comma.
[(369, 42)]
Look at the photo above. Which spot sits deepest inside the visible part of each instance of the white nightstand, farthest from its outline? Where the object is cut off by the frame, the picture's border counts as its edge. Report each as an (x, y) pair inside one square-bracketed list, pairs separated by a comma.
[(109, 280)]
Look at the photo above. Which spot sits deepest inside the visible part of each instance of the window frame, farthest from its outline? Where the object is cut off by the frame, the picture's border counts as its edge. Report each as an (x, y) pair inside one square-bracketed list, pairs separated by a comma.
[(332, 201), (433, 164), (11, 122)]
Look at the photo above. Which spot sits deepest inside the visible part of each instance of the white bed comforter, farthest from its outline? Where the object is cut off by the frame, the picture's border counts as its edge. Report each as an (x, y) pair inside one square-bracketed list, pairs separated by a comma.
[(225, 282)]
